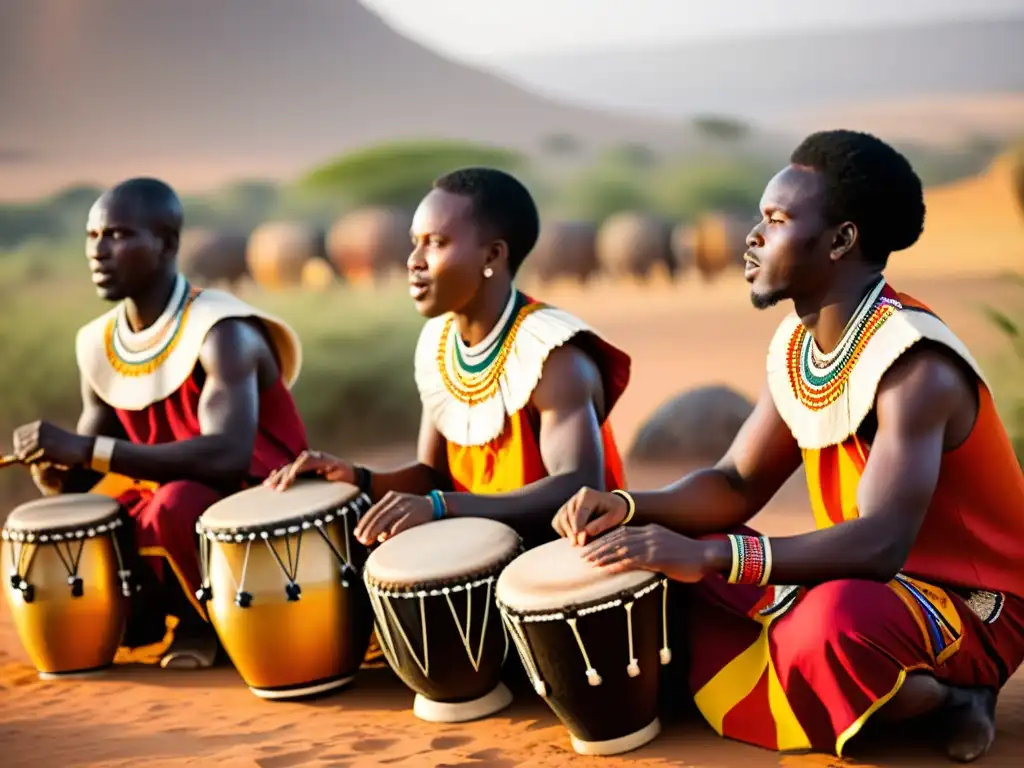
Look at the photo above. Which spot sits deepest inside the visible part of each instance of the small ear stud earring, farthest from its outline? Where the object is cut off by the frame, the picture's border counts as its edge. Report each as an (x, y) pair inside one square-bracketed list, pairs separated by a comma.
[(488, 272)]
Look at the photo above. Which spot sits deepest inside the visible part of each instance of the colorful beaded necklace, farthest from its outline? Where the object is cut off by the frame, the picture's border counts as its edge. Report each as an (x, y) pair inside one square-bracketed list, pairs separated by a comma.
[(472, 374), (819, 378), (140, 353)]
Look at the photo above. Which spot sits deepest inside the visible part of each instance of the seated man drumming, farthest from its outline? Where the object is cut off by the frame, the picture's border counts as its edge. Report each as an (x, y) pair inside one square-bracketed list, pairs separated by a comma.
[(908, 600), (185, 392)]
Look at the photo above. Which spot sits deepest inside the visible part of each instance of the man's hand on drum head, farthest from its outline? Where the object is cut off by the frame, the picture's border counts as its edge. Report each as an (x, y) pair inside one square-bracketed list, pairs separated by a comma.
[(588, 514), (650, 548), (329, 467), (43, 442), (393, 514)]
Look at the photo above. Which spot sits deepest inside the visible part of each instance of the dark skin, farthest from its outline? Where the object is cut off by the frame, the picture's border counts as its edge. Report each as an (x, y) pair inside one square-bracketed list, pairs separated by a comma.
[(452, 253), (926, 405), (131, 247)]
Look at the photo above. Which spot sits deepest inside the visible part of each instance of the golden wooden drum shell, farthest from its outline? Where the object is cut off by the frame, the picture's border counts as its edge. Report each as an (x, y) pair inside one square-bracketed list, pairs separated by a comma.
[(282, 648), (63, 634)]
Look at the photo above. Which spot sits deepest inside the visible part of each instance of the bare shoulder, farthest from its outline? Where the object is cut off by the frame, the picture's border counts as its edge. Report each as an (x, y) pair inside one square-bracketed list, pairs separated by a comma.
[(926, 384), (234, 346), (570, 376)]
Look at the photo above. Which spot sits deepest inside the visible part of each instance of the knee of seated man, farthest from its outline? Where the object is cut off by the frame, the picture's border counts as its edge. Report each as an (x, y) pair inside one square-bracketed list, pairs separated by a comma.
[(831, 615), (173, 500)]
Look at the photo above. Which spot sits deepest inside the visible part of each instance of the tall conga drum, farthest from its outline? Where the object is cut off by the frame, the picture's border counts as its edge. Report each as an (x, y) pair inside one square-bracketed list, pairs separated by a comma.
[(432, 590), (592, 644), (282, 587), (67, 585)]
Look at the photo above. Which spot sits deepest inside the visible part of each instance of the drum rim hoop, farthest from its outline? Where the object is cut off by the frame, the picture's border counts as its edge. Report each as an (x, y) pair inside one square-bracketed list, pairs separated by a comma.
[(288, 526), (99, 527), (597, 605), (436, 587)]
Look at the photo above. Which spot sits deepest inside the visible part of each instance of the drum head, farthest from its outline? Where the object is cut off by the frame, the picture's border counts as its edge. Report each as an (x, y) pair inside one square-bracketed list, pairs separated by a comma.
[(442, 551), (259, 508), (65, 512), (554, 577)]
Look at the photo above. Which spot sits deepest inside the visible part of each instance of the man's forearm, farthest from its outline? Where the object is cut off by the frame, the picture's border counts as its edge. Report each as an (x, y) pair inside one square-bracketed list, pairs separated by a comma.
[(528, 508), (209, 458), (854, 550), (706, 501), (415, 478)]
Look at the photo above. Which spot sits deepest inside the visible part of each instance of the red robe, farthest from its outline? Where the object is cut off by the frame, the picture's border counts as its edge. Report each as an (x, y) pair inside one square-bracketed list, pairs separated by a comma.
[(165, 517), (792, 669)]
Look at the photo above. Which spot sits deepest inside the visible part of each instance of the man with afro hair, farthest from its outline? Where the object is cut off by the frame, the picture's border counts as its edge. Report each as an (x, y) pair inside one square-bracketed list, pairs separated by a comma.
[(908, 599)]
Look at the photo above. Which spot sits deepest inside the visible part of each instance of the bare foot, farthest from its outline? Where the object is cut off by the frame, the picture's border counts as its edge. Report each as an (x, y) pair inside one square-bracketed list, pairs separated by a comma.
[(971, 723)]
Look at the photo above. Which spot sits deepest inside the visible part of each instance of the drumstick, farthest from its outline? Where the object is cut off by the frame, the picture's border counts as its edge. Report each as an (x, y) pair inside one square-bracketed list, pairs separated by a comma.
[(11, 459)]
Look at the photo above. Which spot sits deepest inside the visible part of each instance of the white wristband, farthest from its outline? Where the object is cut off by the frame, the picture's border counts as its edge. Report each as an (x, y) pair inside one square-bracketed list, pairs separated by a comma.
[(102, 453)]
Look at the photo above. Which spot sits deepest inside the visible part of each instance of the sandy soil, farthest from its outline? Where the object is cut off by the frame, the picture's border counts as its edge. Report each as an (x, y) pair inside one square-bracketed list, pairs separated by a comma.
[(679, 338)]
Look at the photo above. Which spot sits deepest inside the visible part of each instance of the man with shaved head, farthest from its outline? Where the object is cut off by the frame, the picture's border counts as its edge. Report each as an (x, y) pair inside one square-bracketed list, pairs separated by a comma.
[(185, 399)]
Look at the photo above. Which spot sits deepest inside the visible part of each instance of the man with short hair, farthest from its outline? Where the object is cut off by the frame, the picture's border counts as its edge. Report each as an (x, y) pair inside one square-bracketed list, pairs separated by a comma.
[(516, 394)]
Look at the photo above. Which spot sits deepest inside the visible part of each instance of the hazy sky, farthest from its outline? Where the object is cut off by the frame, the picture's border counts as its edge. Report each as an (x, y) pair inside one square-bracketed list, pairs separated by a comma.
[(487, 30)]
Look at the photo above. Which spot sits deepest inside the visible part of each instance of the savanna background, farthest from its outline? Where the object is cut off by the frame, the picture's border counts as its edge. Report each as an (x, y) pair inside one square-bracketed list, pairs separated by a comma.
[(302, 134)]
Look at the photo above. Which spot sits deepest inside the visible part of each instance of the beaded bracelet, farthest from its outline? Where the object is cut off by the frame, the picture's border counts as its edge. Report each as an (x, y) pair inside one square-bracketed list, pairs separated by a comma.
[(439, 504), (630, 505), (751, 560)]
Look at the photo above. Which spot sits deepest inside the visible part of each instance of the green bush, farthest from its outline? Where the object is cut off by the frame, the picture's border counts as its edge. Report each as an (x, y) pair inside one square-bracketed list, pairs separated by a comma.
[(1009, 371), (693, 185), (399, 173)]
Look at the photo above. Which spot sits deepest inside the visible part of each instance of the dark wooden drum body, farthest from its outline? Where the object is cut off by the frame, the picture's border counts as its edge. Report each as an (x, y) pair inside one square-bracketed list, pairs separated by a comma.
[(282, 586), (432, 590), (66, 583), (592, 644)]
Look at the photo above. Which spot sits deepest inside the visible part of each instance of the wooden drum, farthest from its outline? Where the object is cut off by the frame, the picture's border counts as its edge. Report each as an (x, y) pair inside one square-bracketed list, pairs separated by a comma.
[(281, 586), (590, 644), (432, 590), (67, 586)]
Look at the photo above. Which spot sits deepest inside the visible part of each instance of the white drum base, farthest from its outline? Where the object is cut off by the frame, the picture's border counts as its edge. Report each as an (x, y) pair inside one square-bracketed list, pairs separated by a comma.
[(462, 711), (295, 693), (622, 744), (87, 674)]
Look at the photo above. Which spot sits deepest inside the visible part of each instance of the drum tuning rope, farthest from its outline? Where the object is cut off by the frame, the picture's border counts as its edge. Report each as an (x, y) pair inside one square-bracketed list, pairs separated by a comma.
[(71, 563), (23, 556), (204, 593), (592, 675), (346, 566), (242, 598), (633, 668), (122, 572), (666, 652), (464, 634), (291, 571), (290, 568), (513, 626), (19, 576)]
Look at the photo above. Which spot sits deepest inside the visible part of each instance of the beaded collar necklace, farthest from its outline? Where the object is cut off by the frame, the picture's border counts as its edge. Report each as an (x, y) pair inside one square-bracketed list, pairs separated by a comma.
[(818, 378), (474, 360)]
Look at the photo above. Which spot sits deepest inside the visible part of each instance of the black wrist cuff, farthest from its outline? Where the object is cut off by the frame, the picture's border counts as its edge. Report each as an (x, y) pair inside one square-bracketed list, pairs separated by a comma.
[(364, 479)]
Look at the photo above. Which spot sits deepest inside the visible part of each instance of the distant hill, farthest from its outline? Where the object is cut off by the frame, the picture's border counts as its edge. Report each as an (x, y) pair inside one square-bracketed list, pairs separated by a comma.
[(791, 80), (201, 91)]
